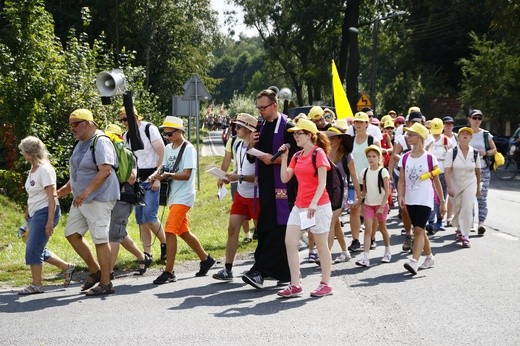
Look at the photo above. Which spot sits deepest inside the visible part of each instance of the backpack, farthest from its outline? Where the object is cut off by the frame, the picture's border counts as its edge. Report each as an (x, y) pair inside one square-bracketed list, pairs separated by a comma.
[(125, 158), (456, 149), (334, 184), (147, 133), (380, 182), (428, 156)]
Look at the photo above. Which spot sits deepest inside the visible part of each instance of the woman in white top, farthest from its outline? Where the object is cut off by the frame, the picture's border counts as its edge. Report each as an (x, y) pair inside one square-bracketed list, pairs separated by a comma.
[(462, 169), (42, 215), (416, 192)]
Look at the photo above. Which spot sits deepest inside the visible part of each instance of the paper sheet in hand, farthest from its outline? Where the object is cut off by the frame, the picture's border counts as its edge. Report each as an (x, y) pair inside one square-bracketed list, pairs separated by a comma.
[(305, 221), (255, 152), (217, 172), (222, 192)]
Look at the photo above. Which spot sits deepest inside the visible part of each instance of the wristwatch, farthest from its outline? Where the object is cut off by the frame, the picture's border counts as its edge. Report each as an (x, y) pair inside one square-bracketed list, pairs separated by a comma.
[(240, 178)]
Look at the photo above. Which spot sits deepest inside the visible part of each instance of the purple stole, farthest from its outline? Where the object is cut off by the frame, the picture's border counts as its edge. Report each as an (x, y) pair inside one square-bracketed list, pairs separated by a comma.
[(281, 199)]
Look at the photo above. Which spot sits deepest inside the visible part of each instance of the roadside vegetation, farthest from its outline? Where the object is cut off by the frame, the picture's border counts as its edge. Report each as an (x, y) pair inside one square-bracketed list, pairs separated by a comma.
[(208, 218)]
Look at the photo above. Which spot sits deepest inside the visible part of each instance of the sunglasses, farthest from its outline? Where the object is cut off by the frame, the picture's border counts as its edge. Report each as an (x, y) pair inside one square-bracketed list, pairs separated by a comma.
[(76, 124), (169, 134), (299, 133), (476, 117), (263, 108), (124, 120)]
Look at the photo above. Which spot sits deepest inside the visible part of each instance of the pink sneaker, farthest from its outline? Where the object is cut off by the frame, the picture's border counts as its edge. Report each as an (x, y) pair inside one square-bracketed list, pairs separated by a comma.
[(291, 291), (322, 290)]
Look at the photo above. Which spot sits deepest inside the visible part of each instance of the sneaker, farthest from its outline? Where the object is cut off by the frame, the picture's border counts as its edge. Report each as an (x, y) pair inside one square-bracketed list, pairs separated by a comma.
[(430, 229), (205, 266), (255, 234), (408, 243), (355, 246), (224, 275), (290, 291), (364, 262), (165, 278), (429, 262), (387, 258), (322, 290), (313, 257), (343, 257), (412, 266), (403, 232), (465, 243), (481, 230), (163, 252), (373, 244), (254, 279)]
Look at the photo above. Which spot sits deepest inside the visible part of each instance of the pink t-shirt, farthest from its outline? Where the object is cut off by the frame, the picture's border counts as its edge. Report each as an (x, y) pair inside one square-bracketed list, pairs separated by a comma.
[(307, 182)]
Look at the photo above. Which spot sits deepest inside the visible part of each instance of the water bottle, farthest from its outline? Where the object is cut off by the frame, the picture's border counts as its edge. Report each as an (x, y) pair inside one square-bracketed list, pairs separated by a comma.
[(22, 229), (351, 195)]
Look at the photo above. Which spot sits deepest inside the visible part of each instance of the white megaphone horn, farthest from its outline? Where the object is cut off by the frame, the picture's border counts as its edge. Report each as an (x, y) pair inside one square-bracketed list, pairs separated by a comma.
[(111, 83)]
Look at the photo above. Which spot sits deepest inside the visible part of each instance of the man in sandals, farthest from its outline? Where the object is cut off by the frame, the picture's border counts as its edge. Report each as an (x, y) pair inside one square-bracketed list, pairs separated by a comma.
[(95, 189)]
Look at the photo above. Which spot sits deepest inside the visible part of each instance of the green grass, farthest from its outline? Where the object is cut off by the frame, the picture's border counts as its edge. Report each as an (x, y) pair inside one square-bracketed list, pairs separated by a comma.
[(208, 220)]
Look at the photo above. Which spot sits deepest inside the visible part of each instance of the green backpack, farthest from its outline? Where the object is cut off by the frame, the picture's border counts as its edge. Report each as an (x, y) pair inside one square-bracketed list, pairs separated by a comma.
[(125, 159)]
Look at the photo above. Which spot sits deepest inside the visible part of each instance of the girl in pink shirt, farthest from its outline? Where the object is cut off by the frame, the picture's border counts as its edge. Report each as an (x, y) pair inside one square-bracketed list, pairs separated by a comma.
[(312, 207)]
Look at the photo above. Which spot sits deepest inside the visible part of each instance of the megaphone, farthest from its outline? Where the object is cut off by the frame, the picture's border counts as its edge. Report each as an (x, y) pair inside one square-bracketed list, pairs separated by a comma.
[(285, 94), (111, 83)]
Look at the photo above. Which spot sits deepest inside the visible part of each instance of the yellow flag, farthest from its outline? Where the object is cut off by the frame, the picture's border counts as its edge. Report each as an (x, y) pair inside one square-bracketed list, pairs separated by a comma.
[(341, 104)]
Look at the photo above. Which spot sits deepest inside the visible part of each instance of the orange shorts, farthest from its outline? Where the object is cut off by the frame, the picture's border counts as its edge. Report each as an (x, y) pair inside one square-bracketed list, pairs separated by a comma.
[(177, 222)]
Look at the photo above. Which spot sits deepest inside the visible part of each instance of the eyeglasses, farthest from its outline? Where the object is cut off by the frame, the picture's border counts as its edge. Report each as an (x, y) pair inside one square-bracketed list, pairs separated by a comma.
[(169, 134), (124, 120), (76, 124), (299, 133), (476, 117), (238, 127), (263, 108)]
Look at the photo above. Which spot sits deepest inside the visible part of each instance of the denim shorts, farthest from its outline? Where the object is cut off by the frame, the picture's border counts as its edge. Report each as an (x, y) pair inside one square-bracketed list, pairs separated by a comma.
[(148, 213), (35, 250)]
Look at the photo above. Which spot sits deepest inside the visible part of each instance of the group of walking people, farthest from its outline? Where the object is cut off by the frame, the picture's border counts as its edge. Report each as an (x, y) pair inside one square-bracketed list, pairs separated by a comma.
[(283, 186)]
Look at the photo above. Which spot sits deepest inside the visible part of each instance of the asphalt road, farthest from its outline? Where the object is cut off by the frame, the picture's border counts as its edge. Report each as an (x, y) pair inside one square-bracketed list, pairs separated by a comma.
[(471, 297)]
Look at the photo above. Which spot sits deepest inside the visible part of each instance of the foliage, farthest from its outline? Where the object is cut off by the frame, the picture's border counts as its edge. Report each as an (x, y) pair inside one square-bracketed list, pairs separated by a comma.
[(492, 79), (242, 104)]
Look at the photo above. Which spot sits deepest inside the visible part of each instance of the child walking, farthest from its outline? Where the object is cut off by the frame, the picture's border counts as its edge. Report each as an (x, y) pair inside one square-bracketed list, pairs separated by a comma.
[(376, 190)]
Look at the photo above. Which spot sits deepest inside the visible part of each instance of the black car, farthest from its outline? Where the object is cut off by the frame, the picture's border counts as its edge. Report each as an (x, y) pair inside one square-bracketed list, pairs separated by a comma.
[(501, 142)]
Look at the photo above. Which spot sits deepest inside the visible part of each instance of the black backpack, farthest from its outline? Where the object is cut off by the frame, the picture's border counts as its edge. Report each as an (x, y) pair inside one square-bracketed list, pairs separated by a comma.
[(335, 185), (380, 182)]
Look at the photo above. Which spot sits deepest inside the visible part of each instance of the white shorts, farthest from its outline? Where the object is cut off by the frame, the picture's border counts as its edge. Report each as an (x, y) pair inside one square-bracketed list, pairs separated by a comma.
[(323, 218), (93, 216)]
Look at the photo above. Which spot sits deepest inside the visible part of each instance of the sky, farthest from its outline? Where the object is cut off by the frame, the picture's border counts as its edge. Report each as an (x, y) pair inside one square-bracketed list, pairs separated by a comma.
[(220, 6)]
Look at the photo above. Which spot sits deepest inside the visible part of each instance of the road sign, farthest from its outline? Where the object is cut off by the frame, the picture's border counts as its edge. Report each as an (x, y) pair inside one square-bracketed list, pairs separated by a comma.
[(195, 90), (363, 102)]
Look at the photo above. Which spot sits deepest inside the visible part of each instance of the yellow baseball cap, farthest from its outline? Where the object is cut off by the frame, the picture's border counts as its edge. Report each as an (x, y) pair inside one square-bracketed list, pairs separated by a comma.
[(437, 126), (305, 125), (388, 124), (467, 129), (315, 113), (419, 129), (374, 148), (361, 116), (115, 129)]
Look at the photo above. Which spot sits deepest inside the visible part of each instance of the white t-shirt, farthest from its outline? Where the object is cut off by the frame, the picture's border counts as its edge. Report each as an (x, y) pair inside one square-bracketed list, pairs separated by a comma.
[(35, 185), (477, 142), (417, 191), (440, 148), (373, 196), (181, 191), (147, 157), (244, 167)]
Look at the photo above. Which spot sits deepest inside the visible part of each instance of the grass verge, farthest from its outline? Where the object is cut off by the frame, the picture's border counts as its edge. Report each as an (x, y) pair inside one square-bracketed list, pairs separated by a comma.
[(208, 220)]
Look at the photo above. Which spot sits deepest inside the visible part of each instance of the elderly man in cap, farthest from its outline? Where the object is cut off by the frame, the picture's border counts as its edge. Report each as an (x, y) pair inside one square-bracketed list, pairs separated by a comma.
[(149, 160), (95, 189), (180, 165), (317, 116), (245, 204)]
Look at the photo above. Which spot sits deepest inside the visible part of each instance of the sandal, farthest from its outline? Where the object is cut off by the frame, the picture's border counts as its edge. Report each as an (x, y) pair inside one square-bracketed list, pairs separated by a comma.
[(67, 274), (143, 264), (92, 280), (31, 289), (247, 240), (100, 290)]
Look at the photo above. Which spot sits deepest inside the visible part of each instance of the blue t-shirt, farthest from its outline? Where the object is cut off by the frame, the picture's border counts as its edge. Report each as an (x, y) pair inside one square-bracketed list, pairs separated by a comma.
[(181, 191)]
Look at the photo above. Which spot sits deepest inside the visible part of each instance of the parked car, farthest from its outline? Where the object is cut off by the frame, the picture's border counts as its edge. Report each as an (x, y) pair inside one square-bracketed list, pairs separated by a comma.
[(501, 142)]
